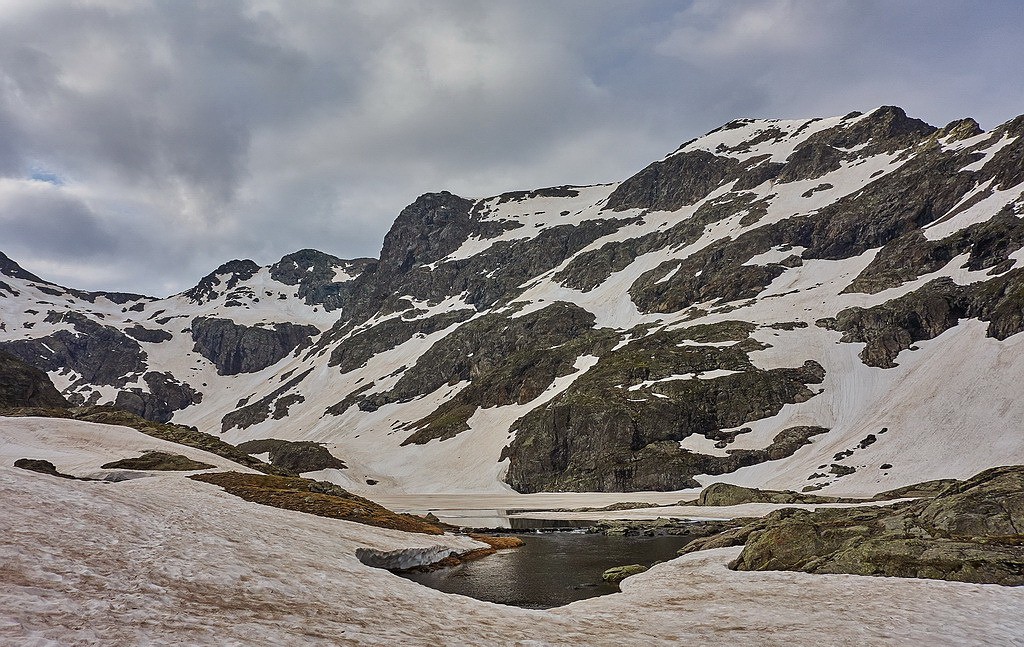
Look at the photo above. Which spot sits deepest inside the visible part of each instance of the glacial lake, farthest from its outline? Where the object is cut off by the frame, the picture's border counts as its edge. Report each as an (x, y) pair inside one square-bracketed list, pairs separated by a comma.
[(552, 569)]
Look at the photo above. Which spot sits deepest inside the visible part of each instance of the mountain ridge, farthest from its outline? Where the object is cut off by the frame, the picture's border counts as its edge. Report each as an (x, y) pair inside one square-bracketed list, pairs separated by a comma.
[(694, 321)]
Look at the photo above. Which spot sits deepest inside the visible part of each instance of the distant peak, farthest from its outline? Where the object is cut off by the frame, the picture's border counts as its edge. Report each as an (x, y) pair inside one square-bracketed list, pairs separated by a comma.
[(235, 271), (309, 255), (11, 269), (237, 266)]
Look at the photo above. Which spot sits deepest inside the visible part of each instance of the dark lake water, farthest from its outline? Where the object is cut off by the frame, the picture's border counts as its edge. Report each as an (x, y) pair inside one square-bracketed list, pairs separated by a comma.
[(552, 569)]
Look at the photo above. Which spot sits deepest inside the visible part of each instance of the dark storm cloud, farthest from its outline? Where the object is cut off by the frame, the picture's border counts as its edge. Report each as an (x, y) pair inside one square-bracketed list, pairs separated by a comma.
[(188, 133)]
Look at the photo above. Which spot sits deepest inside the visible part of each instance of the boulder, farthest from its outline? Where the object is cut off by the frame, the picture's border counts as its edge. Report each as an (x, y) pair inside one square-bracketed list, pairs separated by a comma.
[(616, 574), (970, 532), (161, 461), (725, 494)]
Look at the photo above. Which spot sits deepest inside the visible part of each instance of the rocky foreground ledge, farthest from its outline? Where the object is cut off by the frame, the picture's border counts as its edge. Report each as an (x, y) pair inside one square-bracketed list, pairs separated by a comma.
[(971, 531)]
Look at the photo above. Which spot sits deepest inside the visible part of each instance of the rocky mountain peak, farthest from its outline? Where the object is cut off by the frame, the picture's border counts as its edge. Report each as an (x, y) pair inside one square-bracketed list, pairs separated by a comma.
[(320, 277), (960, 129), (429, 229), (225, 277), (297, 266), (12, 270), (888, 122)]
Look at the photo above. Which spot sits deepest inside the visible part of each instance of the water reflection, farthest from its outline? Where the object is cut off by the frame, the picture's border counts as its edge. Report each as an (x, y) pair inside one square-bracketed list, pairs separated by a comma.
[(481, 518), (552, 569)]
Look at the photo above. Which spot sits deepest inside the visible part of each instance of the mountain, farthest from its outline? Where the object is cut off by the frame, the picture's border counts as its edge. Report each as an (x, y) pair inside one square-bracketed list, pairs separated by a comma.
[(821, 304)]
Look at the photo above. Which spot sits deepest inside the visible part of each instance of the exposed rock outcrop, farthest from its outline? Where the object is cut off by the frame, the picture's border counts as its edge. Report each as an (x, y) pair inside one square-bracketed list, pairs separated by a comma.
[(616, 574), (725, 494), (314, 497), (189, 436), (600, 434), (294, 456), (166, 395), (356, 350), (315, 274), (158, 461), (925, 313), (99, 354), (22, 385), (222, 280), (235, 348), (680, 180), (45, 467), (970, 532), (149, 335), (276, 404)]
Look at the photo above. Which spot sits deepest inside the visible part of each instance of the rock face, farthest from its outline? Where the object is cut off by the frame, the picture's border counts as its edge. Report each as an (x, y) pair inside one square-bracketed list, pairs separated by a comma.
[(22, 385), (43, 467), (600, 435), (237, 349), (297, 457), (222, 280), (680, 180), (316, 275), (927, 312), (970, 532), (166, 395), (273, 405), (99, 354)]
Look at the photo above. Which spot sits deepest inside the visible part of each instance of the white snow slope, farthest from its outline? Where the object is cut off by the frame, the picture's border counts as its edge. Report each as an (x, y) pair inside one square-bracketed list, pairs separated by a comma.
[(165, 560)]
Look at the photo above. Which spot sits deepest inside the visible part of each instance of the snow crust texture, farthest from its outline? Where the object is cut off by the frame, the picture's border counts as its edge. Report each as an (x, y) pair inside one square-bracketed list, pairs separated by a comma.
[(167, 560)]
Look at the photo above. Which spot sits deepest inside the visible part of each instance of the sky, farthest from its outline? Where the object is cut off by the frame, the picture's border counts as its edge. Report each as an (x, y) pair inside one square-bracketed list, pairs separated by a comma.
[(142, 144)]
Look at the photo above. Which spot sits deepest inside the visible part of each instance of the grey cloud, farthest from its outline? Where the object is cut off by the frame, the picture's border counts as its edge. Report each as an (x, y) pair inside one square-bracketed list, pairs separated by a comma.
[(42, 220), (204, 131)]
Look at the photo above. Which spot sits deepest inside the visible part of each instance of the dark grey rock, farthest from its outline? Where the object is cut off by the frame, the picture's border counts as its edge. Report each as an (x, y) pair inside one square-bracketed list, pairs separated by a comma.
[(682, 179), (314, 273), (295, 456), (360, 347), (166, 395), (275, 404), (235, 348), (598, 435), (23, 385), (149, 335), (101, 355), (222, 280)]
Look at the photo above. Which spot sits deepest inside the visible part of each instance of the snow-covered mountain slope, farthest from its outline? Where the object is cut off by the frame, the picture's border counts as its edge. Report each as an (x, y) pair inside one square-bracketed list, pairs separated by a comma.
[(158, 356), (828, 303)]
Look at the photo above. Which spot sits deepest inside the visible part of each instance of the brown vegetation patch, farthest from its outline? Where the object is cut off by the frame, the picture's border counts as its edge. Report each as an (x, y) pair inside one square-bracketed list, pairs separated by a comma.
[(314, 497), (498, 542)]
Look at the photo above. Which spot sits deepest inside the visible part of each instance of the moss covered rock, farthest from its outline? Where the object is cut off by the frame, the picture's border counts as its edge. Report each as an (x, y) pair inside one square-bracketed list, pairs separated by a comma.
[(161, 461), (616, 574), (970, 532)]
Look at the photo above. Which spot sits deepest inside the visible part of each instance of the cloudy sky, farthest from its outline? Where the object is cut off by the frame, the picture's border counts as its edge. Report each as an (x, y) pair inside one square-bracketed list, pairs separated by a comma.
[(144, 143)]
